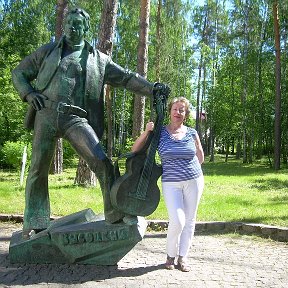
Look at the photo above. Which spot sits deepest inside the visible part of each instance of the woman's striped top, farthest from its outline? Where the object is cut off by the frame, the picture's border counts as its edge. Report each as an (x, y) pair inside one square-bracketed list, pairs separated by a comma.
[(178, 157)]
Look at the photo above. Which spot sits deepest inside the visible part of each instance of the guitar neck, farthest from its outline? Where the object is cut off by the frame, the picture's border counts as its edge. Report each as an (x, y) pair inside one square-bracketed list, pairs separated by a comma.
[(146, 172)]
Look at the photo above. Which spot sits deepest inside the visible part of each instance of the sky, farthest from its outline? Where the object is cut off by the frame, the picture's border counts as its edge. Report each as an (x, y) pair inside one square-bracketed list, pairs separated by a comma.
[(202, 2)]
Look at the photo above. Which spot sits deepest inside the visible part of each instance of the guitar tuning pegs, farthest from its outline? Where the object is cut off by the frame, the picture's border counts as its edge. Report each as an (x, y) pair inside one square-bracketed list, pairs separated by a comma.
[(161, 89)]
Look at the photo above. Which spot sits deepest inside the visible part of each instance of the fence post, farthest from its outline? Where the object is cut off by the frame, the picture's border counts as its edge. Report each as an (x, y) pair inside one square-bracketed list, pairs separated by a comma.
[(24, 158)]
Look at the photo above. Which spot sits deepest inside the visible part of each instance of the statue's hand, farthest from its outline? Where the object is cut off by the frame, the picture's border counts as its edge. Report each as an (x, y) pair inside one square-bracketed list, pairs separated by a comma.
[(164, 89), (36, 100)]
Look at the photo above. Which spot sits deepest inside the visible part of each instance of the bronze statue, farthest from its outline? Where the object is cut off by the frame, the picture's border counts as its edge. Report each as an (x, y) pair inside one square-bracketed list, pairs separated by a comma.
[(66, 100)]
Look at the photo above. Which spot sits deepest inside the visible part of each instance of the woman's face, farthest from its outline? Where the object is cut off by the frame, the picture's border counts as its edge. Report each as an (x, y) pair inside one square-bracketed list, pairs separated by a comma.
[(178, 113)]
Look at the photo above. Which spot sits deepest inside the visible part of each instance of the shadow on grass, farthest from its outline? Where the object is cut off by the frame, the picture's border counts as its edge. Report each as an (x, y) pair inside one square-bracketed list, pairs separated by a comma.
[(240, 201), (63, 186), (235, 168), (262, 219), (267, 184), (280, 200), (71, 186)]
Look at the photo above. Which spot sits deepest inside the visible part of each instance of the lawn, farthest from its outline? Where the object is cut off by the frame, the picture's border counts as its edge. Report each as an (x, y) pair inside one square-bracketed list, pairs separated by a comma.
[(233, 192), (247, 193)]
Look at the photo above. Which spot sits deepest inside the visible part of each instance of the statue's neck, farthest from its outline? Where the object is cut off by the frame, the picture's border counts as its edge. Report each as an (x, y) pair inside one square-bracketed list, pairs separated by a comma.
[(74, 46)]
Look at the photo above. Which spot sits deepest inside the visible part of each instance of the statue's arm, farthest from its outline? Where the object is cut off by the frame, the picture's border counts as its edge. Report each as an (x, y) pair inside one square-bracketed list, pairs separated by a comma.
[(117, 76), (27, 71)]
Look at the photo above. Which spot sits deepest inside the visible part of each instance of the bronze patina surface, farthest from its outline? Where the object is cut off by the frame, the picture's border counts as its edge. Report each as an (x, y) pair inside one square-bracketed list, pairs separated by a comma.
[(82, 238), (63, 83)]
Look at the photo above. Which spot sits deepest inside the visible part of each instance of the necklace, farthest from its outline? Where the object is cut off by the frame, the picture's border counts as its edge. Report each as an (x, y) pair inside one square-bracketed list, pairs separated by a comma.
[(177, 133)]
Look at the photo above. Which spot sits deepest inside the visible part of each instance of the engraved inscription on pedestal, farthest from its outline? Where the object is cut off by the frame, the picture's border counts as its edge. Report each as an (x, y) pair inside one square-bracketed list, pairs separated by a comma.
[(78, 238)]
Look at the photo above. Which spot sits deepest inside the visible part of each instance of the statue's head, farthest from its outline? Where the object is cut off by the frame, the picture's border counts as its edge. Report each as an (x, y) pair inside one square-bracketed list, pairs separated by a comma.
[(77, 24)]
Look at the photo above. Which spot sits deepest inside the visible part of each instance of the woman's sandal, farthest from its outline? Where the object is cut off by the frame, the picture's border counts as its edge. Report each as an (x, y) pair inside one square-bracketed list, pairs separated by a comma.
[(183, 265), (170, 263)]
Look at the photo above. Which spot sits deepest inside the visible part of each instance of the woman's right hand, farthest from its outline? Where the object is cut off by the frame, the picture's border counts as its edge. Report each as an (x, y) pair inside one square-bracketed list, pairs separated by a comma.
[(149, 126), (141, 140)]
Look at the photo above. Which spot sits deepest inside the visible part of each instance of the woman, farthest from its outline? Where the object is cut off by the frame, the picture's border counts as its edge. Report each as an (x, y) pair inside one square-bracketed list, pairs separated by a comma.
[(181, 155)]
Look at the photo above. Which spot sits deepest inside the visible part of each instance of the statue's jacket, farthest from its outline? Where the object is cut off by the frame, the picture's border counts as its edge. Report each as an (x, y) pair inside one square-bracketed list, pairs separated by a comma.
[(35, 72)]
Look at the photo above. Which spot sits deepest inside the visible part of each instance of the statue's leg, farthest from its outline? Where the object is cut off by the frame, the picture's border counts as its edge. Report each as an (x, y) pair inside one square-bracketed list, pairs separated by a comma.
[(86, 143), (37, 205)]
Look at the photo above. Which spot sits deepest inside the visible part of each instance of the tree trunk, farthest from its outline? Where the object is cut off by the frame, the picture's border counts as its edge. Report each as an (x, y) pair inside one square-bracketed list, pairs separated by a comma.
[(61, 10), (105, 45), (200, 67), (251, 145), (109, 109), (57, 163), (212, 144), (227, 147), (238, 150), (142, 65), (245, 77), (84, 176), (158, 40), (277, 127), (233, 146), (200, 103), (285, 106), (121, 126), (158, 51), (215, 60), (261, 88)]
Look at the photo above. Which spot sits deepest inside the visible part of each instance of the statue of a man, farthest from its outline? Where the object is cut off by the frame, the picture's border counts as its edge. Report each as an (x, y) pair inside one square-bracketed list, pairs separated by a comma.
[(66, 100)]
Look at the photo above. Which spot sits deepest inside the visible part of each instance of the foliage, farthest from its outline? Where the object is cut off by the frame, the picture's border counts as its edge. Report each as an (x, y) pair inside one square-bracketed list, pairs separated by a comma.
[(230, 42), (17, 41), (176, 52), (11, 109), (12, 153), (20, 16), (236, 41), (70, 158)]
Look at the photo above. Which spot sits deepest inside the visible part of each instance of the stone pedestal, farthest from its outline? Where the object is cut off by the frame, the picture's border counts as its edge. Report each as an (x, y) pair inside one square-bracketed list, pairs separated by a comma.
[(82, 238)]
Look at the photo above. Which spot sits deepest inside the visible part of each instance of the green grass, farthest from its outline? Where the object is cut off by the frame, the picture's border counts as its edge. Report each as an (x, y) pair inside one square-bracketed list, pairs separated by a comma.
[(65, 197), (246, 193), (233, 192)]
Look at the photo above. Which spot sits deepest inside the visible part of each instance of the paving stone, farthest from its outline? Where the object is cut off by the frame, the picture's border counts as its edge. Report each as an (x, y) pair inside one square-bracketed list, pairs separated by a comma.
[(216, 261)]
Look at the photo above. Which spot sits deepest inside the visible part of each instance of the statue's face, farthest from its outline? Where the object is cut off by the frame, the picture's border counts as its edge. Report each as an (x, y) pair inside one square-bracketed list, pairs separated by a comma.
[(74, 28)]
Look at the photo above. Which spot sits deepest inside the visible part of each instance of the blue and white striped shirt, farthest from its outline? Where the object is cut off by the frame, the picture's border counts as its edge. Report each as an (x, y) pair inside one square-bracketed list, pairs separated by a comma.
[(178, 157)]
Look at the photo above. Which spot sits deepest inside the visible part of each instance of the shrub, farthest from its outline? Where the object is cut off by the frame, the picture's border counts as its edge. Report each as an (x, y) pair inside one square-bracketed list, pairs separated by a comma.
[(70, 157), (12, 153)]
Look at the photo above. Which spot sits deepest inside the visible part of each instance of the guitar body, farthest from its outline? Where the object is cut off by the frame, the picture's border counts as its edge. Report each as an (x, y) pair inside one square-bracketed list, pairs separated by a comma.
[(136, 192), (124, 195)]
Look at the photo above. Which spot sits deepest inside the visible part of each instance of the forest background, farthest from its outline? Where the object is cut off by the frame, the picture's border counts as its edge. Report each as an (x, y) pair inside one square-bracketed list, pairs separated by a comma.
[(220, 55), (228, 58)]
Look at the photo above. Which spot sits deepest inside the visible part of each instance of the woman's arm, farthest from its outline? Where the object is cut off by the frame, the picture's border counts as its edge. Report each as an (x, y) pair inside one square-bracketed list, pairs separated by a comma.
[(199, 149), (141, 140)]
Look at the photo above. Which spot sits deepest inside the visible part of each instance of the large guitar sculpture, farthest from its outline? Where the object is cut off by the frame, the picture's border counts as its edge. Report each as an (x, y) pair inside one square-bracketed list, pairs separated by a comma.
[(136, 192)]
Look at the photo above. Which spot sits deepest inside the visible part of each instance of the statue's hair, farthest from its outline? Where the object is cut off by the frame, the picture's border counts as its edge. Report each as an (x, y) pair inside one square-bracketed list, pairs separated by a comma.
[(183, 100), (82, 13)]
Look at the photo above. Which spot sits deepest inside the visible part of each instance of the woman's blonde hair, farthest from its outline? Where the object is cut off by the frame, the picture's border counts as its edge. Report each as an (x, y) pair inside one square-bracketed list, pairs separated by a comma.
[(183, 100)]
